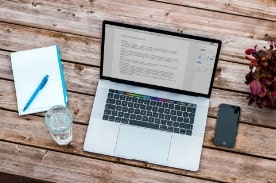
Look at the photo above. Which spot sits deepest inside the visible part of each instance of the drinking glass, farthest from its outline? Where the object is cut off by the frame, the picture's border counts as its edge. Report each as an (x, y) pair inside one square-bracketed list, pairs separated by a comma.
[(58, 120)]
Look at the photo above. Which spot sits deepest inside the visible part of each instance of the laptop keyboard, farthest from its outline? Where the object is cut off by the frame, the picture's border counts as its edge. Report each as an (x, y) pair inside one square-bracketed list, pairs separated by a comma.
[(150, 112)]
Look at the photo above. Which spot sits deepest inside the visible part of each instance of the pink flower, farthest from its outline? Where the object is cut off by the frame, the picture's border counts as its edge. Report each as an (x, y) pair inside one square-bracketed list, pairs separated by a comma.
[(249, 51), (255, 87)]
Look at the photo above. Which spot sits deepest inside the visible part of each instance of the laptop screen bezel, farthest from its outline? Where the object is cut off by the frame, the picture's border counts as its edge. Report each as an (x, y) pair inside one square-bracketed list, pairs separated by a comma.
[(107, 22)]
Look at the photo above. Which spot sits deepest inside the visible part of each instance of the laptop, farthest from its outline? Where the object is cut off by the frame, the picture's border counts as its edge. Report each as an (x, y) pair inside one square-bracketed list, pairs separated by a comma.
[(152, 98)]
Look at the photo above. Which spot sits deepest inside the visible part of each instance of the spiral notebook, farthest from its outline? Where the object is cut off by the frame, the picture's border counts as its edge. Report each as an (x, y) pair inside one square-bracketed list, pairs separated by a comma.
[(29, 67)]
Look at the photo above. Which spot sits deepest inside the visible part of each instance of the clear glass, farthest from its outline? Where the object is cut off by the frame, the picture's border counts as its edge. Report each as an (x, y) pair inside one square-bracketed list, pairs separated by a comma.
[(58, 120)]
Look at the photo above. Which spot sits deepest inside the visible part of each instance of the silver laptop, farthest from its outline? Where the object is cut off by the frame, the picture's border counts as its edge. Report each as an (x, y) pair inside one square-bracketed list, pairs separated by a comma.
[(152, 98)]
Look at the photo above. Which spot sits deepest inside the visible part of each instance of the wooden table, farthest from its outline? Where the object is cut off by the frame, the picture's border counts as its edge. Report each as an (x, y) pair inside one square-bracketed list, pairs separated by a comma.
[(26, 147)]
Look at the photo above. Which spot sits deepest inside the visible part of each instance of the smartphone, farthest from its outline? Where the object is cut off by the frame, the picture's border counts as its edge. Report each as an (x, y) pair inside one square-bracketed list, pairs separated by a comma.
[(227, 125)]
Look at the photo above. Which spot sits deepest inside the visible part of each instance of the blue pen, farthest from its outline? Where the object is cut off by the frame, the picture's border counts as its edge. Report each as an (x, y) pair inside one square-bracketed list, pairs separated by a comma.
[(40, 86)]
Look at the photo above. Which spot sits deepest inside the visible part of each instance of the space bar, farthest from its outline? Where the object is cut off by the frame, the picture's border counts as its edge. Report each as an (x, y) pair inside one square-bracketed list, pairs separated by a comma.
[(144, 124)]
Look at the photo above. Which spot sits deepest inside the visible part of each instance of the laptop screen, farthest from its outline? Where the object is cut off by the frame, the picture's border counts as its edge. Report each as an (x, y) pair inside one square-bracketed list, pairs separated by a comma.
[(158, 58)]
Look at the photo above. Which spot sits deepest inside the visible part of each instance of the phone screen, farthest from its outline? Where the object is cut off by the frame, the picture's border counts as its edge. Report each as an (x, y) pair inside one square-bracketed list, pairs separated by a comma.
[(227, 125)]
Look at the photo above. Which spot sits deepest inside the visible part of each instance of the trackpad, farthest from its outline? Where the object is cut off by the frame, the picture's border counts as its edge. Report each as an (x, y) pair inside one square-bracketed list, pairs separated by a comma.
[(143, 144)]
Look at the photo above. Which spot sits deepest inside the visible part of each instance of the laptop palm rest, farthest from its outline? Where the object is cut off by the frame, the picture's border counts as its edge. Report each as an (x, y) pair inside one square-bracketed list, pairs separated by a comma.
[(143, 144)]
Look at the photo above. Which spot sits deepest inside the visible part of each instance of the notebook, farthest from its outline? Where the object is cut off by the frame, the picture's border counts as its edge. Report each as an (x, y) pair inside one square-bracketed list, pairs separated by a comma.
[(152, 98), (29, 67)]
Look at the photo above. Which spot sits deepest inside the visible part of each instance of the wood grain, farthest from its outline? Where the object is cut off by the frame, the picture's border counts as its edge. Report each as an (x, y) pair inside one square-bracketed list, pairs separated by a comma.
[(265, 9), (30, 130), (85, 19), (60, 167), (26, 147)]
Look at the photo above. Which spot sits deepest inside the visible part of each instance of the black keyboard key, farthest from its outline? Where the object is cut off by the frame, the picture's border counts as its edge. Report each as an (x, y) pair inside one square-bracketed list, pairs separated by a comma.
[(128, 98), (145, 119), (151, 119), (146, 102), (154, 114), (153, 102), (110, 101), (191, 110), (185, 114), (143, 112), (173, 118), (173, 112), (170, 129), (169, 123), (120, 114), (159, 104), (157, 121), (130, 110), (105, 117), (110, 95), (188, 132), (177, 107), (163, 127), (137, 111), (183, 108), (134, 99), (161, 116), (149, 107), (118, 102), (171, 106), (122, 97), (175, 124), (165, 105), (124, 109), (114, 113), (178, 113), (124, 103), (126, 115), (186, 120), (136, 105), (167, 111), (107, 111), (111, 118), (140, 100), (124, 120), (186, 126), (149, 113), (139, 117), (182, 131), (118, 119), (167, 116), (161, 110), (142, 106), (154, 109), (143, 124), (163, 121), (180, 119), (176, 130), (130, 104), (118, 108), (110, 106), (116, 96)]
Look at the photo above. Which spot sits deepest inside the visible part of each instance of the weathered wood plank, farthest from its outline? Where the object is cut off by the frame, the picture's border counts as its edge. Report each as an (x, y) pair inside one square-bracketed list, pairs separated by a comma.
[(60, 167), (85, 18), (81, 105), (84, 79), (31, 130), (79, 78), (265, 9), (74, 48), (250, 140)]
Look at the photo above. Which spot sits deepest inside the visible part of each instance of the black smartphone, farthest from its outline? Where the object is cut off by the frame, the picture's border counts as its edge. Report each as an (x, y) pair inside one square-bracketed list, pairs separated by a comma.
[(227, 125)]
